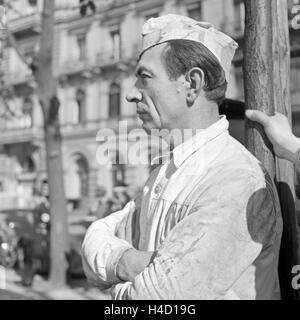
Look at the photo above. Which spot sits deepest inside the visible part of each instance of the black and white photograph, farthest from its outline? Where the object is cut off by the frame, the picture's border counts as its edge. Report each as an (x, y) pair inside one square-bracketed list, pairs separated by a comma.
[(150, 150)]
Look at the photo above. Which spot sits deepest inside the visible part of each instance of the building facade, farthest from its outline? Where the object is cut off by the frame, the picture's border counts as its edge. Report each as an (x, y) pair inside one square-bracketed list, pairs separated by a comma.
[(94, 61)]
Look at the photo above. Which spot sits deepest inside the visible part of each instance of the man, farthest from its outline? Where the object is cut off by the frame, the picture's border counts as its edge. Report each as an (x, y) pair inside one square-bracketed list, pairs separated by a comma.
[(208, 224), (286, 145)]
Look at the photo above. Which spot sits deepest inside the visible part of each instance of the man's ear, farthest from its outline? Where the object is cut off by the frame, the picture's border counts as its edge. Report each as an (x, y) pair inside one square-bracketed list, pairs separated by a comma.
[(195, 79)]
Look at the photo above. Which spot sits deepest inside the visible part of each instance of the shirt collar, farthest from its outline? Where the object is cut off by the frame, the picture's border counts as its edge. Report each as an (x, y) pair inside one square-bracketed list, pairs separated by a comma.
[(203, 136)]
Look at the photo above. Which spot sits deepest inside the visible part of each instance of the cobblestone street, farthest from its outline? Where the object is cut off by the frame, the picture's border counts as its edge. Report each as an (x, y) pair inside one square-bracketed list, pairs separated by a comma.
[(41, 290)]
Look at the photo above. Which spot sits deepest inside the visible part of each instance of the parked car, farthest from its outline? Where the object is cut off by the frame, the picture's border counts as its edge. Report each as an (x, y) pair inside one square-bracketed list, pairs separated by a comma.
[(8, 245), (32, 229)]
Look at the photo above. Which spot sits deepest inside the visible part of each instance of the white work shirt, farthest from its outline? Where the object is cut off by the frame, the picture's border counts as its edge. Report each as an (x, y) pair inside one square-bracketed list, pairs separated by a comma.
[(211, 213)]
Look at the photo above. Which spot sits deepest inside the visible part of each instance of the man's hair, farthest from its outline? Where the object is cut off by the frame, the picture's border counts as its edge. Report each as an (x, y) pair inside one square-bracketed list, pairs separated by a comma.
[(182, 55)]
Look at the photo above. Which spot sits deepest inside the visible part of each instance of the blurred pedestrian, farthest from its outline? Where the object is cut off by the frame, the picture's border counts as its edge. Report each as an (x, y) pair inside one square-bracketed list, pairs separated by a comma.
[(27, 265)]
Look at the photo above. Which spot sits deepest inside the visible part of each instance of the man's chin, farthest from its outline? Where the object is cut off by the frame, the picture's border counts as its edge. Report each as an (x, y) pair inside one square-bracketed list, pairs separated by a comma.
[(151, 128), (146, 128)]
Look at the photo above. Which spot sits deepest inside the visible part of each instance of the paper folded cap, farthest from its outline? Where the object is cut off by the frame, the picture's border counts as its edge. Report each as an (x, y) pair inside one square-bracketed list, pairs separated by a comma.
[(174, 27)]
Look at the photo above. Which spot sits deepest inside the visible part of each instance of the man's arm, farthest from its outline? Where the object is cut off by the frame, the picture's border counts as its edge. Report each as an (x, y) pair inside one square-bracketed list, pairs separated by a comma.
[(107, 252), (210, 249), (286, 145), (102, 249), (278, 130), (132, 263)]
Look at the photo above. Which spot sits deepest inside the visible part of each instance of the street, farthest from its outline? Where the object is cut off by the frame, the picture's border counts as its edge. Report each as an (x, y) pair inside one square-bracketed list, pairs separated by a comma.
[(77, 290)]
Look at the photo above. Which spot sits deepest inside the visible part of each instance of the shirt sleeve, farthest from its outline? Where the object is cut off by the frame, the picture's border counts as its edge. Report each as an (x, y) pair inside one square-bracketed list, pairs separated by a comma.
[(205, 253), (103, 246)]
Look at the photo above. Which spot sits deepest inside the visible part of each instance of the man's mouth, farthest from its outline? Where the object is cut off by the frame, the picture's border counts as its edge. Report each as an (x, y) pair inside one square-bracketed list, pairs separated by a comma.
[(143, 115), (141, 111)]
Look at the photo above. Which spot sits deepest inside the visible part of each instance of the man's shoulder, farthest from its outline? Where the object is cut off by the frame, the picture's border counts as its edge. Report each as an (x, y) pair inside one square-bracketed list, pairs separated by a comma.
[(233, 172), (236, 162)]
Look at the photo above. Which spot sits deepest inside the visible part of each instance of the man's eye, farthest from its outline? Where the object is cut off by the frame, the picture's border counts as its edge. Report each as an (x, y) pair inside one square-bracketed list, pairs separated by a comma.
[(143, 75)]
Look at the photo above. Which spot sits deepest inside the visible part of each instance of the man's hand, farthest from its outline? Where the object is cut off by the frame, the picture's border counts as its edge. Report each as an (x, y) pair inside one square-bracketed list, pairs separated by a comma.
[(279, 132), (132, 263)]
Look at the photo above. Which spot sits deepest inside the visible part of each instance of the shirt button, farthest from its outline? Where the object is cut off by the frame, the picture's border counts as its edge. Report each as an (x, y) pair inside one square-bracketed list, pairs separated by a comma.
[(157, 189)]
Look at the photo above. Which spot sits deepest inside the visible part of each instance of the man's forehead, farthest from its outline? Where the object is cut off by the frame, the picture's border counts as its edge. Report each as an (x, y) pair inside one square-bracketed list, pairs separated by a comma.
[(151, 58)]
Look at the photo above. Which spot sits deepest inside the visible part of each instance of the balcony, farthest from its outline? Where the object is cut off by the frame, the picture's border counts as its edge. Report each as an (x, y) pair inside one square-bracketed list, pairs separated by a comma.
[(126, 58), (104, 59), (19, 77), (11, 201), (18, 131), (71, 67), (29, 24), (90, 128)]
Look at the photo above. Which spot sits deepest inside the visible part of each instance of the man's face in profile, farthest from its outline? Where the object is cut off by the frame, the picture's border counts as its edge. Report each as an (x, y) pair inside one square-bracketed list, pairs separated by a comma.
[(160, 101)]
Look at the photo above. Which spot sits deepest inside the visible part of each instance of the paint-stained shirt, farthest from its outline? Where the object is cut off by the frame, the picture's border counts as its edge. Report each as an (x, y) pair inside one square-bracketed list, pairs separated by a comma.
[(212, 214)]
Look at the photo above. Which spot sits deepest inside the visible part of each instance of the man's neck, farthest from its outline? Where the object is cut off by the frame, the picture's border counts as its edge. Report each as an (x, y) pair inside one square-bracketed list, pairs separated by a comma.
[(197, 119)]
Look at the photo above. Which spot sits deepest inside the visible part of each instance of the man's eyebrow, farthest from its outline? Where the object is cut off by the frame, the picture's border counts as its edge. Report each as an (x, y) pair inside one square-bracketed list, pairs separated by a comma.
[(141, 69)]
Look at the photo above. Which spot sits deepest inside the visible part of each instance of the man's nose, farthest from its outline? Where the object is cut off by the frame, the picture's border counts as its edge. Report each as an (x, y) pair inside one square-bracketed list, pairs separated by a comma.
[(134, 95)]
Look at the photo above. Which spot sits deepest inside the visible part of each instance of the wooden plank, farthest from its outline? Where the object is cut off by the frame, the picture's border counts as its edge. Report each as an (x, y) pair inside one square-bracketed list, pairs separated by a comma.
[(267, 88), (289, 256)]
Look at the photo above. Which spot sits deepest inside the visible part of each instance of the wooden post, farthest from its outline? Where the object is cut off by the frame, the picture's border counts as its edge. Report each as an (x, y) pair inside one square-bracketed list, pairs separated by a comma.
[(267, 88)]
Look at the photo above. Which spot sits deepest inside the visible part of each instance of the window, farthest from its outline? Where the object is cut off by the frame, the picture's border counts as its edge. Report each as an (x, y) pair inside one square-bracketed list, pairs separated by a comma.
[(44, 188), (239, 13), (77, 179), (81, 42), (28, 52), (116, 43), (195, 11), (114, 100), (33, 3), (118, 172), (28, 165), (83, 172), (27, 110), (81, 103)]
